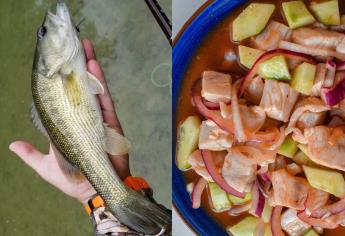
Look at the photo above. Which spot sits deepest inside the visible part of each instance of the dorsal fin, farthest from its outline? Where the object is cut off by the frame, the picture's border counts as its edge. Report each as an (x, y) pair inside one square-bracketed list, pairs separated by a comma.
[(94, 84)]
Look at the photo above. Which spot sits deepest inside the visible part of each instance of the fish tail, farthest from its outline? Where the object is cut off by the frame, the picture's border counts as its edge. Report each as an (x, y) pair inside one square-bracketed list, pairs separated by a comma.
[(143, 215)]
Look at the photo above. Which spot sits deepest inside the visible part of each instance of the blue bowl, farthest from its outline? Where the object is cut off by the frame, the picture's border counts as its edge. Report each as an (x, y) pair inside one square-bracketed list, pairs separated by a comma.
[(183, 52)]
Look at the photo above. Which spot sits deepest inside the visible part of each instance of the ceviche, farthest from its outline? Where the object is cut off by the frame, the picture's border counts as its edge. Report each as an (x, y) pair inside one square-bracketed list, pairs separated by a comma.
[(261, 137)]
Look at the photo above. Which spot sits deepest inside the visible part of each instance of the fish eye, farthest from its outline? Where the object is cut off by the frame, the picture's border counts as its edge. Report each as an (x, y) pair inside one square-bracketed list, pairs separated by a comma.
[(41, 32)]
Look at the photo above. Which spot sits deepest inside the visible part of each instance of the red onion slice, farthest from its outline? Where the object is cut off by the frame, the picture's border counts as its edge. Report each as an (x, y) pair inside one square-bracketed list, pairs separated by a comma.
[(239, 209), (335, 95), (341, 66), (197, 192), (213, 105), (258, 201), (268, 55), (216, 176), (275, 221), (265, 177)]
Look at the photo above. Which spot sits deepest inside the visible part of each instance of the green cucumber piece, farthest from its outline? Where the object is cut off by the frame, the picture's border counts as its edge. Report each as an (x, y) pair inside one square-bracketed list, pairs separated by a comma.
[(245, 227), (187, 141), (327, 180), (288, 148), (303, 78), (237, 201), (248, 56), (268, 231), (275, 68), (303, 148), (310, 233), (327, 12), (302, 159), (297, 14), (219, 198), (252, 20)]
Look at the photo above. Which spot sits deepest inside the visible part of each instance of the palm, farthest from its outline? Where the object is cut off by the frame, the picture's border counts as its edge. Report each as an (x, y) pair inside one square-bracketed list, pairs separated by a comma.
[(53, 174)]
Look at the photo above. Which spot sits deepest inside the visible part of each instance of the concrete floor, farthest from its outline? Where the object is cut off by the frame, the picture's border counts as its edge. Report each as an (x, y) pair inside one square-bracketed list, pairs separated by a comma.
[(136, 59)]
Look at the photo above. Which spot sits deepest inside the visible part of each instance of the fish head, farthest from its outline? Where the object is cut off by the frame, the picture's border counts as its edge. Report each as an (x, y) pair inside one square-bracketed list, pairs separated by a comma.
[(57, 41)]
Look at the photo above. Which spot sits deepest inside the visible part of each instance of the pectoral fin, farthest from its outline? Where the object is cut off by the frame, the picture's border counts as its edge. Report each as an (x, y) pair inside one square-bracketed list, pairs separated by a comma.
[(37, 120), (70, 171), (115, 143), (94, 84)]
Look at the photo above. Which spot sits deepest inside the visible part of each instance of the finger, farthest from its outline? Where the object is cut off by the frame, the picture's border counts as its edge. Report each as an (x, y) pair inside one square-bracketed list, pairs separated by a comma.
[(29, 154), (89, 49), (105, 100)]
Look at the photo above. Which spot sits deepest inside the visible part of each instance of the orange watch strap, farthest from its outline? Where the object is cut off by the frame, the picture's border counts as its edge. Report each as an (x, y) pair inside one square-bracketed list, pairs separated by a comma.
[(94, 203), (135, 183)]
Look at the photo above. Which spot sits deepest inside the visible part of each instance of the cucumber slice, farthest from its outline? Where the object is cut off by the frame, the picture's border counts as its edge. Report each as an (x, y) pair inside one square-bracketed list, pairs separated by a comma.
[(327, 180), (310, 233), (268, 231), (219, 198), (187, 140), (252, 20), (327, 12), (303, 78), (275, 68), (297, 14), (237, 201), (245, 227), (248, 56), (302, 159), (288, 147)]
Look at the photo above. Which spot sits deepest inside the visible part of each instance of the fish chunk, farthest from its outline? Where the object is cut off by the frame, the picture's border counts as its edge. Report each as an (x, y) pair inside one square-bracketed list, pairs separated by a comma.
[(214, 138), (312, 112), (269, 39), (326, 146), (321, 71), (292, 224), (239, 171), (278, 100), (318, 38), (216, 87), (288, 190)]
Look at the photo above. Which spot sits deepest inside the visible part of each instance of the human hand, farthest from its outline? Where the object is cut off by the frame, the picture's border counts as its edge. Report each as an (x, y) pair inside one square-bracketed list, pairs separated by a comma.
[(47, 166)]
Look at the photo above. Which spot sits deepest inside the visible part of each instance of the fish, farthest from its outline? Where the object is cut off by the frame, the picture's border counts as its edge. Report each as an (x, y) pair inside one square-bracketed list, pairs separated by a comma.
[(66, 109)]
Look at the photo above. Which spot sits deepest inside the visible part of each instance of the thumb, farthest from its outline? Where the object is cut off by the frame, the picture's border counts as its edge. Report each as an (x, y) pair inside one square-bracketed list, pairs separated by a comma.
[(28, 153)]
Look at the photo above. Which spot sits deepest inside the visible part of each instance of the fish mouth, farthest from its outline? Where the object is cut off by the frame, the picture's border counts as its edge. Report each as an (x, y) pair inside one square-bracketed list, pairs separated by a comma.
[(62, 15)]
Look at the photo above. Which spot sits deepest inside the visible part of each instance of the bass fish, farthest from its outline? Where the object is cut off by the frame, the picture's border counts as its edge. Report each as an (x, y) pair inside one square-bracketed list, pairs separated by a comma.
[(67, 110)]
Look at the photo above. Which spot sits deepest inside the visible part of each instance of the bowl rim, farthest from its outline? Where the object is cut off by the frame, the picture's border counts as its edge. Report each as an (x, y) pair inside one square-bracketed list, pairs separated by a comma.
[(206, 19)]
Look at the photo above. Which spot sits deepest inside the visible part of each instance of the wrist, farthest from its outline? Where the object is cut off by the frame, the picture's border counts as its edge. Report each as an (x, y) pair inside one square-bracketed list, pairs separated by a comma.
[(87, 195)]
